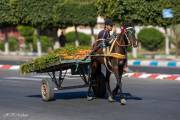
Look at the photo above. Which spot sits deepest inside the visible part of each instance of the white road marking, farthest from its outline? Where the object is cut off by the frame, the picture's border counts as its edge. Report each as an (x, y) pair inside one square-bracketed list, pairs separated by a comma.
[(22, 78), (35, 78)]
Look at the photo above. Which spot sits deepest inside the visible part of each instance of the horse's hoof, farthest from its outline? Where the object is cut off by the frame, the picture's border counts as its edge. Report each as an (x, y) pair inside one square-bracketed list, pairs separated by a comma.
[(89, 98), (123, 101), (110, 99)]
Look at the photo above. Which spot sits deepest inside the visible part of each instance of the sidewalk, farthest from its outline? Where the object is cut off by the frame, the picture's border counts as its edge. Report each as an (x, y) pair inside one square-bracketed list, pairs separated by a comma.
[(155, 63), (15, 57)]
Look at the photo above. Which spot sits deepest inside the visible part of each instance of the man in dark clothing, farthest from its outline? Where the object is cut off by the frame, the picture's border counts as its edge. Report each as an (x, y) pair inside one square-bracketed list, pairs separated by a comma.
[(104, 35), (62, 39)]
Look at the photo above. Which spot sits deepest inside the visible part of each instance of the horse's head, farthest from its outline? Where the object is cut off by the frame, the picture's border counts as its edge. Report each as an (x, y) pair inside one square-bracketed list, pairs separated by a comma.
[(129, 34)]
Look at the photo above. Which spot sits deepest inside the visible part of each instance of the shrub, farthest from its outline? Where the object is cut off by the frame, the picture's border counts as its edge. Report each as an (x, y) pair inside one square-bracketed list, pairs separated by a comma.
[(1, 45), (84, 39), (13, 44), (27, 32), (151, 39), (46, 43)]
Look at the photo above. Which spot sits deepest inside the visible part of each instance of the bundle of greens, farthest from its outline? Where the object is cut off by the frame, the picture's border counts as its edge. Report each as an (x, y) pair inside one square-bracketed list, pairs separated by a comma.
[(58, 55), (39, 63)]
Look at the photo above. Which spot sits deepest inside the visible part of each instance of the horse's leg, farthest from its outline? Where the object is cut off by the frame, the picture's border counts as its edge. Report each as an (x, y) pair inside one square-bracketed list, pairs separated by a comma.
[(122, 97), (118, 74), (115, 70), (91, 75), (108, 89)]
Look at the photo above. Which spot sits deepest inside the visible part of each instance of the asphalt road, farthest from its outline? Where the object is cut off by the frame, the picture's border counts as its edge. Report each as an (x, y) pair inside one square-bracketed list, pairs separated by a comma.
[(150, 100)]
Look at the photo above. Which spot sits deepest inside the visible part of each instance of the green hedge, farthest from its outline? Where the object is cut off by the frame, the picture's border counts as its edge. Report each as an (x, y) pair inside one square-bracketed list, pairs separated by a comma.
[(46, 43), (13, 44), (151, 39), (1, 45), (84, 39)]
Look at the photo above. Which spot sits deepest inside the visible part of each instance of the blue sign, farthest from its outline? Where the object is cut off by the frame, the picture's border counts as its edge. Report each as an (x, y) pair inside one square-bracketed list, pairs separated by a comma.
[(167, 13)]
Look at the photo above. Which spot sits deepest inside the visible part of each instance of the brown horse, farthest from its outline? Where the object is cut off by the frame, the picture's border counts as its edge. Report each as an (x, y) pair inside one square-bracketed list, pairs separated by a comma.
[(114, 65)]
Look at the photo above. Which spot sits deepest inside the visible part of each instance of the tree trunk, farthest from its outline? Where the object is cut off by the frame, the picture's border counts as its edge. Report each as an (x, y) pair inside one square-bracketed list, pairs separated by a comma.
[(166, 42), (92, 35), (56, 38), (134, 52), (6, 45), (39, 46), (176, 42), (77, 37)]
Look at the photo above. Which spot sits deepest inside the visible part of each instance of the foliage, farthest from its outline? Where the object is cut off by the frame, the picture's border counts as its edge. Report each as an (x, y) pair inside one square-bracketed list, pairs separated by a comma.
[(7, 14), (84, 39), (70, 12), (27, 32), (37, 13), (151, 38), (140, 11), (39, 63), (46, 43), (13, 44), (1, 45)]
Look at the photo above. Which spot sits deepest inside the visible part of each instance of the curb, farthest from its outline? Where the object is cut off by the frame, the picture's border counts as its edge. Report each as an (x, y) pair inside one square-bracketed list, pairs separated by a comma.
[(153, 76), (10, 67), (154, 63)]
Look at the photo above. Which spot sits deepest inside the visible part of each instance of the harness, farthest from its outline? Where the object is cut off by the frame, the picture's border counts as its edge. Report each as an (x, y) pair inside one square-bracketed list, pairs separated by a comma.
[(107, 52)]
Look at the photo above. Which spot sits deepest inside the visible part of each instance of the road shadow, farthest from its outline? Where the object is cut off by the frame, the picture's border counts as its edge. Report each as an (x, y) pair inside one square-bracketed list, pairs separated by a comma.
[(66, 95), (128, 96), (83, 94)]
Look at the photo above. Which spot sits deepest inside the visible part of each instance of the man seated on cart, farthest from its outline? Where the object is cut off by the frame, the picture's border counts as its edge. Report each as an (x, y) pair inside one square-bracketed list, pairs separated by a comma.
[(104, 36)]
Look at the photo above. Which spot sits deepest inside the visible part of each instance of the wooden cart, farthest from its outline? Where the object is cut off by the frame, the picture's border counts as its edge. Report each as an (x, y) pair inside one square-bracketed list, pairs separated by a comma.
[(78, 67)]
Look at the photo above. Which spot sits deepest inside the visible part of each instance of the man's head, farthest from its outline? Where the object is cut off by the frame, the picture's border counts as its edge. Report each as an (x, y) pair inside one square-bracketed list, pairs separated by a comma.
[(109, 24)]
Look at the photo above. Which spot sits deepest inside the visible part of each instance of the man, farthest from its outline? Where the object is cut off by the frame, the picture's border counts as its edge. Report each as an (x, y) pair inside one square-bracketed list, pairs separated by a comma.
[(62, 39), (103, 36)]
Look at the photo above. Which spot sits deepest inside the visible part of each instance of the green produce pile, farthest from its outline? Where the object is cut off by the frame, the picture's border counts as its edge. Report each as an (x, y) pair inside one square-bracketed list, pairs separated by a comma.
[(58, 55), (39, 63)]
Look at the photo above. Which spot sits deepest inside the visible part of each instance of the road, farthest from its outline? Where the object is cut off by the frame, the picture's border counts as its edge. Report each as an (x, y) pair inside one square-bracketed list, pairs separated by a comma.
[(150, 100)]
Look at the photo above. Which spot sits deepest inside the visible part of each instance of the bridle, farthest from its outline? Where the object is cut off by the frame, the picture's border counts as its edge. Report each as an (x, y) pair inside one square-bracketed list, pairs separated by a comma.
[(125, 32)]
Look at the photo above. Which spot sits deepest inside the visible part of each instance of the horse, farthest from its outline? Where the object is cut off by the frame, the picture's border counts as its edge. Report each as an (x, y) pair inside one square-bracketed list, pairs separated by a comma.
[(120, 43)]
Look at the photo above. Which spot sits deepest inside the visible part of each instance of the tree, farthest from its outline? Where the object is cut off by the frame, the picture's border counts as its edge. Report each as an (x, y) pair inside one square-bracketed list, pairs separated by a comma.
[(146, 12), (7, 19), (79, 12), (36, 13), (27, 32)]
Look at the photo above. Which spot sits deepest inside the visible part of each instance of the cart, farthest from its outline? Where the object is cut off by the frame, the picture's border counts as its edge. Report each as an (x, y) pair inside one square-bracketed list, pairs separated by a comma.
[(78, 67)]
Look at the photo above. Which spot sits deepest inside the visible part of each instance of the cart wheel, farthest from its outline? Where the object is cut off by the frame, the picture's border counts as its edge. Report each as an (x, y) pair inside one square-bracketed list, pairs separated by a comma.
[(47, 90), (99, 86)]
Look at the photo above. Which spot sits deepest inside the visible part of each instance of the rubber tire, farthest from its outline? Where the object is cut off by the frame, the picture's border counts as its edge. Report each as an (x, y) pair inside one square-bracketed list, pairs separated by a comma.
[(50, 90), (99, 86)]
